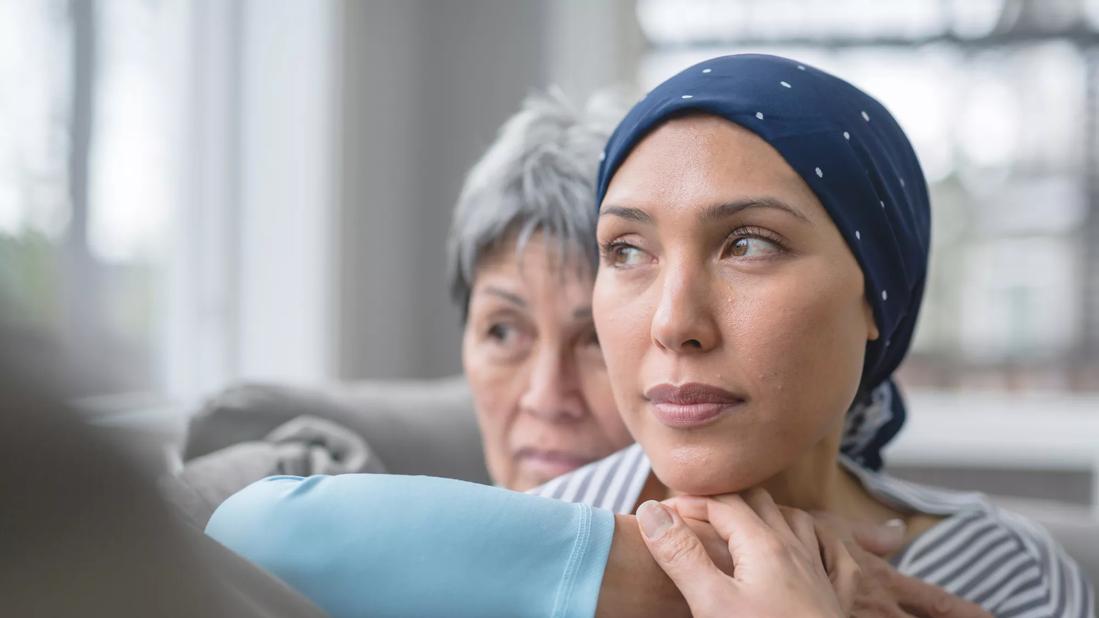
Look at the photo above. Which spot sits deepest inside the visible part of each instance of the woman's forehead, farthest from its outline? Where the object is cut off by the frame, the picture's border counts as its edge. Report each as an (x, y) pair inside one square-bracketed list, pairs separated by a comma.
[(537, 275), (539, 255), (706, 161), (713, 134)]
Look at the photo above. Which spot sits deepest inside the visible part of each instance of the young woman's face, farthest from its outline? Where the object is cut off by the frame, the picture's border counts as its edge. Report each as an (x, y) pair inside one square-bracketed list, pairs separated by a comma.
[(730, 310), (534, 366)]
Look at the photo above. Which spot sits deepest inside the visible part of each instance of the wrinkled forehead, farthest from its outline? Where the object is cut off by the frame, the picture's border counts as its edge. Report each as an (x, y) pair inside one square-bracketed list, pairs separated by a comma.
[(537, 268), (516, 248)]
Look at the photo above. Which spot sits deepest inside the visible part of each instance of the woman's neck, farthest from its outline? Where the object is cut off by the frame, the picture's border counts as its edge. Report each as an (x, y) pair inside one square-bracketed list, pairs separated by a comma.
[(825, 485), (815, 482)]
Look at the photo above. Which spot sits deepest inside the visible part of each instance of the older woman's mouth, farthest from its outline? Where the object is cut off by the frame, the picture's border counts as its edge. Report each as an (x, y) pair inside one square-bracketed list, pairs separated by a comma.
[(690, 405), (549, 463)]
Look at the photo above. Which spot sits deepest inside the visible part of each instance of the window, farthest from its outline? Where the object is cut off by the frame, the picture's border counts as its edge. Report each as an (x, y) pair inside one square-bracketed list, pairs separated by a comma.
[(1000, 101), (87, 184), (35, 204), (165, 189)]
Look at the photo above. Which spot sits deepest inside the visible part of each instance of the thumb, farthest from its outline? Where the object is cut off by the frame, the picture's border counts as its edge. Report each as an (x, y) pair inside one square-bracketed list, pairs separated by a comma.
[(679, 552), (880, 539)]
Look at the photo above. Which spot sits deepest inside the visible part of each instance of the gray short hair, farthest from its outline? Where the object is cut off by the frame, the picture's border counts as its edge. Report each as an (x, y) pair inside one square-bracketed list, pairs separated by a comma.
[(539, 175)]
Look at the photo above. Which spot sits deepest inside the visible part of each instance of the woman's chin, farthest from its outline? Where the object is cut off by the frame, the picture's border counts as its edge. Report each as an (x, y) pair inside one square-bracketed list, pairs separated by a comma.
[(707, 487), (708, 476)]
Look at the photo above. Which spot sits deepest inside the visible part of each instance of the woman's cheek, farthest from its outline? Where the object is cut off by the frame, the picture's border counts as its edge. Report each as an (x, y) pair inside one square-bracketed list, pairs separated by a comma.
[(596, 386), (489, 389), (811, 365), (623, 337)]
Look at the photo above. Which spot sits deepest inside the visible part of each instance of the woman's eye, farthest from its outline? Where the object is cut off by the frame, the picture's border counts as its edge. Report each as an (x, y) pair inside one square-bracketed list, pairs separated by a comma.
[(591, 340), (501, 333), (588, 350), (505, 341), (752, 246), (622, 254)]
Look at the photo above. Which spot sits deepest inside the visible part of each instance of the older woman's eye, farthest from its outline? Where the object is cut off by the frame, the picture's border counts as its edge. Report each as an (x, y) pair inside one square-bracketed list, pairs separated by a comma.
[(501, 333), (505, 341), (591, 339), (588, 350)]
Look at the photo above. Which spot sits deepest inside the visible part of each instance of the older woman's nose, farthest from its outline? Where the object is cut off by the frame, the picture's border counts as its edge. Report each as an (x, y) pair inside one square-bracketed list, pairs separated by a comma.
[(683, 320), (553, 389)]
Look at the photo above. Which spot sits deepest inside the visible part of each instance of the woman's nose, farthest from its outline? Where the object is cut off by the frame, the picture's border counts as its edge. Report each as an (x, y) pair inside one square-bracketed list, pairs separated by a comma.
[(683, 322), (553, 390)]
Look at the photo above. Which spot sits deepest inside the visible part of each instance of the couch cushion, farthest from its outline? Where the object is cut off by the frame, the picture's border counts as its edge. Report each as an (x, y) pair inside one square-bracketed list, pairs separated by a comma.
[(414, 427)]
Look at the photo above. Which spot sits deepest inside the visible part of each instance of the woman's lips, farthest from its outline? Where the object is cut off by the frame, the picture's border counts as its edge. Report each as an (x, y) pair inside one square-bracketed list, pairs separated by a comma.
[(690, 405), (550, 464)]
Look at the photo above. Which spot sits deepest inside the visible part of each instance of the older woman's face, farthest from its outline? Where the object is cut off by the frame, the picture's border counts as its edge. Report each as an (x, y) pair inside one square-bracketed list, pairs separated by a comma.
[(730, 310), (534, 366)]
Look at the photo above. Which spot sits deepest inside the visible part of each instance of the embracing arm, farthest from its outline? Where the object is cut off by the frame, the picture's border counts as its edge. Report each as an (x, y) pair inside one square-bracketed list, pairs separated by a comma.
[(634, 584), (367, 544)]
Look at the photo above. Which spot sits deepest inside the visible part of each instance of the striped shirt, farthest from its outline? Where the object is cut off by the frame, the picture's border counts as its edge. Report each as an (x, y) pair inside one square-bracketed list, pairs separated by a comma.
[(995, 558)]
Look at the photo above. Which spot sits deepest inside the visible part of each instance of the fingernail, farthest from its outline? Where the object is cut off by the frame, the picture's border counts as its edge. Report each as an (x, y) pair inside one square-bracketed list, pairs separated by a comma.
[(654, 519), (896, 528)]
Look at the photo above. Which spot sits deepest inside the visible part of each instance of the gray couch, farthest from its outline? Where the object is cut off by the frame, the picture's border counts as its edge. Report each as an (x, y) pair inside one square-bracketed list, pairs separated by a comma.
[(428, 427), (414, 427)]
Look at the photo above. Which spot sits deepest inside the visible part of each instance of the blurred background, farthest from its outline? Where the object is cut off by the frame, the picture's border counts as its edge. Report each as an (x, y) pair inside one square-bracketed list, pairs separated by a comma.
[(199, 192)]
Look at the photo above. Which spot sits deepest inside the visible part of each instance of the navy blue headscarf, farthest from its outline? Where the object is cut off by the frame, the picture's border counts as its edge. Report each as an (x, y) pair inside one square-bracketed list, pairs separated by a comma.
[(858, 162)]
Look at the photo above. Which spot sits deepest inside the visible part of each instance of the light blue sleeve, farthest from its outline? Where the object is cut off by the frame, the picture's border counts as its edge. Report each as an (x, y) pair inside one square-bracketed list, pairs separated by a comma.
[(382, 545)]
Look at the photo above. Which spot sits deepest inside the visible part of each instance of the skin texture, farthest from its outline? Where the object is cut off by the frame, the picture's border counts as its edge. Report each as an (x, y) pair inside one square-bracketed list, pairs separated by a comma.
[(719, 266), (638, 580), (779, 559), (785, 330), (534, 366), (765, 302)]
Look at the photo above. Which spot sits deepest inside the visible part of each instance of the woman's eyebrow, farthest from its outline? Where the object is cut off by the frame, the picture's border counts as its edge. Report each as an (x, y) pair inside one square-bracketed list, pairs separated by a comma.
[(511, 297), (711, 214), (728, 209), (631, 214), (582, 313)]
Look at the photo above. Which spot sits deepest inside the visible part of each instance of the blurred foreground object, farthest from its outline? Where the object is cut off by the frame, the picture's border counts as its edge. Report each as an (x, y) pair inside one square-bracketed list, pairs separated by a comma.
[(86, 534)]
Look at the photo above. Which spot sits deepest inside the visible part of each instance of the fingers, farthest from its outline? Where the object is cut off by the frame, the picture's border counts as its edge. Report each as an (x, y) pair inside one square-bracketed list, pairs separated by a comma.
[(928, 601), (803, 527), (716, 547), (729, 514), (679, 552), (880, 539), (693, 507), (764, 505), (789, 525), (838, 525), (745, 535), (843, 570)]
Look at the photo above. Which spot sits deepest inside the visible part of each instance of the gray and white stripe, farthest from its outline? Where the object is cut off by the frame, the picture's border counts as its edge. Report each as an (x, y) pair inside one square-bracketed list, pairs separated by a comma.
[(612, 483), (995, 558)]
